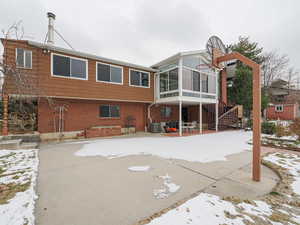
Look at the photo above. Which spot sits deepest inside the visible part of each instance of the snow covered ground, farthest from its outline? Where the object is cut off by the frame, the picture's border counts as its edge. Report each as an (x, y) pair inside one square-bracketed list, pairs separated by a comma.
[(290, 162), (18, 169), (207, 209), (201, 148)]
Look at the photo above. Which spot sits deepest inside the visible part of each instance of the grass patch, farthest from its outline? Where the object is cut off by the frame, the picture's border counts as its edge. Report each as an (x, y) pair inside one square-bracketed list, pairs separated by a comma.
[(281, 217), (8, 155), (275, 193), (2, 171), (8, 191)]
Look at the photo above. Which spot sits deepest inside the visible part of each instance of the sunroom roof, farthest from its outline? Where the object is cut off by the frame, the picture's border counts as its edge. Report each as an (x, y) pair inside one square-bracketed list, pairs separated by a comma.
[(180, 54)]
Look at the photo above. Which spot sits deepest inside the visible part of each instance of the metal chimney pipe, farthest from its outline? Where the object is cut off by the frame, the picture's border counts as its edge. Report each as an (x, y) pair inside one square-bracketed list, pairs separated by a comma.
[(51, 17)]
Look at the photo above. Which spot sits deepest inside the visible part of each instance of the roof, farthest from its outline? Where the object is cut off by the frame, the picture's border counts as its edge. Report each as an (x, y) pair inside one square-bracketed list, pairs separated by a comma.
[(89, 56), (178, 55)]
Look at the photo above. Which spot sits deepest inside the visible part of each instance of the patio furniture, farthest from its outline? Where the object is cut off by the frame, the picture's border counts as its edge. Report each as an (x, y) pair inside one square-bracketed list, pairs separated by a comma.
[(188, 126)]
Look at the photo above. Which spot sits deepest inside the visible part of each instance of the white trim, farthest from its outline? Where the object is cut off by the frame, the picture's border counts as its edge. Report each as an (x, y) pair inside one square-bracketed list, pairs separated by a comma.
[(279, 105), (24, 58), (70, 77), (200, 71), (111, 65), (180, 118), (91, 99), (167, 70), (140, 86), (200, 118), (180, 76)]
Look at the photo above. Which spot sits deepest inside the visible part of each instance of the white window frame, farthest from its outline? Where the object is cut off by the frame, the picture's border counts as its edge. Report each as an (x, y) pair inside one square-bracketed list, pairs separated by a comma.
[(279, 106), (140, 86), (167, 71), (71, 57), (109, 117), (111, 65), (23, 67)]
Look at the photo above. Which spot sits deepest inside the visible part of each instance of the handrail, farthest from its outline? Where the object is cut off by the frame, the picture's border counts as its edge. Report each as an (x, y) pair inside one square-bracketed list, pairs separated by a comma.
[(226, 113)]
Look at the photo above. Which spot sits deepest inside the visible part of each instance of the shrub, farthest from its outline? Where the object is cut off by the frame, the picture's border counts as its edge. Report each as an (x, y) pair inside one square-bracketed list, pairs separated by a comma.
[(280, 131), (295, 127), (249, 123), (268, 128)]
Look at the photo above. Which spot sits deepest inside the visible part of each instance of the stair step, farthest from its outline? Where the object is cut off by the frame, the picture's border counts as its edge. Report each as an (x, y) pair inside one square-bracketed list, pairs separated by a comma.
[(10, 144)]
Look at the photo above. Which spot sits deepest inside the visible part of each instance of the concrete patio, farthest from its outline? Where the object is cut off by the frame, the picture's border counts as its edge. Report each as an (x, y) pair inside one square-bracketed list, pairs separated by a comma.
[(96, 190)]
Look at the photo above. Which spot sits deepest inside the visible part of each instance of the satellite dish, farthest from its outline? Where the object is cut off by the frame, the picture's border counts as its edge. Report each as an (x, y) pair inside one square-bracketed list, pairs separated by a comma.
[(215, 42)]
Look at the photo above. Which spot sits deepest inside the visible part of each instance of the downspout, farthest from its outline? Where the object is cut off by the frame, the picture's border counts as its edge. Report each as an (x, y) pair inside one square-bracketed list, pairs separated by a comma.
[(149, 106), (149, 112)]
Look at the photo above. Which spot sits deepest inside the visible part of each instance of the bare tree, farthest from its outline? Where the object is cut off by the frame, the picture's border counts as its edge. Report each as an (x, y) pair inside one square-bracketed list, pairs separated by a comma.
[(274, 66), (292, 78), (23, 84)]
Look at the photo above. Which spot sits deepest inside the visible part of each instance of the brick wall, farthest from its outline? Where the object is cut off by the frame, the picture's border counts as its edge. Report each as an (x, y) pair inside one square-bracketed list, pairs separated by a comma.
[(290, 112), (83, 114)]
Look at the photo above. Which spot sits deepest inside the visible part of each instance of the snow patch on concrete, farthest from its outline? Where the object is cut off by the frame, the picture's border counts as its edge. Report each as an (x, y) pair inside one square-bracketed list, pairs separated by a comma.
[(197, 148), (139, 168)]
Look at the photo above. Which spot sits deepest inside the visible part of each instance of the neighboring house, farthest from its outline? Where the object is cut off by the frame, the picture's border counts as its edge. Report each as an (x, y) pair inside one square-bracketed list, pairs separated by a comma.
[(284, 101)]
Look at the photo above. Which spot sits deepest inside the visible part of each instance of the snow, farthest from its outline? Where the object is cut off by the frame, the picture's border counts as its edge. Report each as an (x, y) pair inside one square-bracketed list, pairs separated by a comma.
[(290, 162), (200, 148), (168, 189), (139, 168), (204, 209), (207, 209), (24, 163)]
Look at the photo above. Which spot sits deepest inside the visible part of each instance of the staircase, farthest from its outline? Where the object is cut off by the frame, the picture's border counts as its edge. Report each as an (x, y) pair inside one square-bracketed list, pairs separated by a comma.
[(228, 117)]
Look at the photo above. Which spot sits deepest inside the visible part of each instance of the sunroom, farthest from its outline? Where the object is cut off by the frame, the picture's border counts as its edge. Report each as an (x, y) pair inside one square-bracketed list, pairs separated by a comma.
[(187, 86)]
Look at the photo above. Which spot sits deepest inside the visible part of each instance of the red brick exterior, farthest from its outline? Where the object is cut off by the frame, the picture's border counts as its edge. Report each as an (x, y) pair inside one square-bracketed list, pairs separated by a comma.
[(84, 114), (102, 132), (290, 112), (224, 86)]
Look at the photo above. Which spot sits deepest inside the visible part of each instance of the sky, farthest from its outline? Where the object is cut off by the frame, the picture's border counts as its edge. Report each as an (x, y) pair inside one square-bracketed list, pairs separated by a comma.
[(147, 31)]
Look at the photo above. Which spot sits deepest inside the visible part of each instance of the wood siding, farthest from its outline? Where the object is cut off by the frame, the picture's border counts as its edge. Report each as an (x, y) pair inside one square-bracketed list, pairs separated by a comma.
[(74, 88)]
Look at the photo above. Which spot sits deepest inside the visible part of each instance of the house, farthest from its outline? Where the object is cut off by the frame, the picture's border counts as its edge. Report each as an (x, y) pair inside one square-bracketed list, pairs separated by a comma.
[(84, 94), (284, 101)]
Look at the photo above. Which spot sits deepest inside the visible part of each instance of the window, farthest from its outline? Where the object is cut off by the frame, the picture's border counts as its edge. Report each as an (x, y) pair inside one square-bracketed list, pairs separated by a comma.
[(278, 108), (166, 111), (23, 58), (139, 78), (109, 73), (168, 80), (65, 66), (109, 111), (191, 80)]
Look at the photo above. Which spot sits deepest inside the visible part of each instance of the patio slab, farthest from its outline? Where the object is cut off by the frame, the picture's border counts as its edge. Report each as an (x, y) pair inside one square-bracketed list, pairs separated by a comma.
[(96, 190)]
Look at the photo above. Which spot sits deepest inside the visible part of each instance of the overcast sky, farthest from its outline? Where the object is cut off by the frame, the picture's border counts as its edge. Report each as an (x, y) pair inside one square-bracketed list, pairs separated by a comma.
[(147, 31)]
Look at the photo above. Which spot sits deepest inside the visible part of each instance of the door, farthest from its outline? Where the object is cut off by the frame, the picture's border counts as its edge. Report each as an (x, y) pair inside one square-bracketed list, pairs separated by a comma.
[(185, 117)]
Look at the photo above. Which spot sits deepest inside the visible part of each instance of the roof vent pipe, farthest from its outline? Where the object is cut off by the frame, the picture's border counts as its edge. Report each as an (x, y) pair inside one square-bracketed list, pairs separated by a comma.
[(51, 17)]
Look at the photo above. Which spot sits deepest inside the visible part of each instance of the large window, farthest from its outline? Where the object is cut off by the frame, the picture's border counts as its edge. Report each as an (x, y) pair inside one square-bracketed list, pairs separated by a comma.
[(109, 111), (109, 73), (65, 66), (168, 80), (139, 78), (190, 80), (23, 58)]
